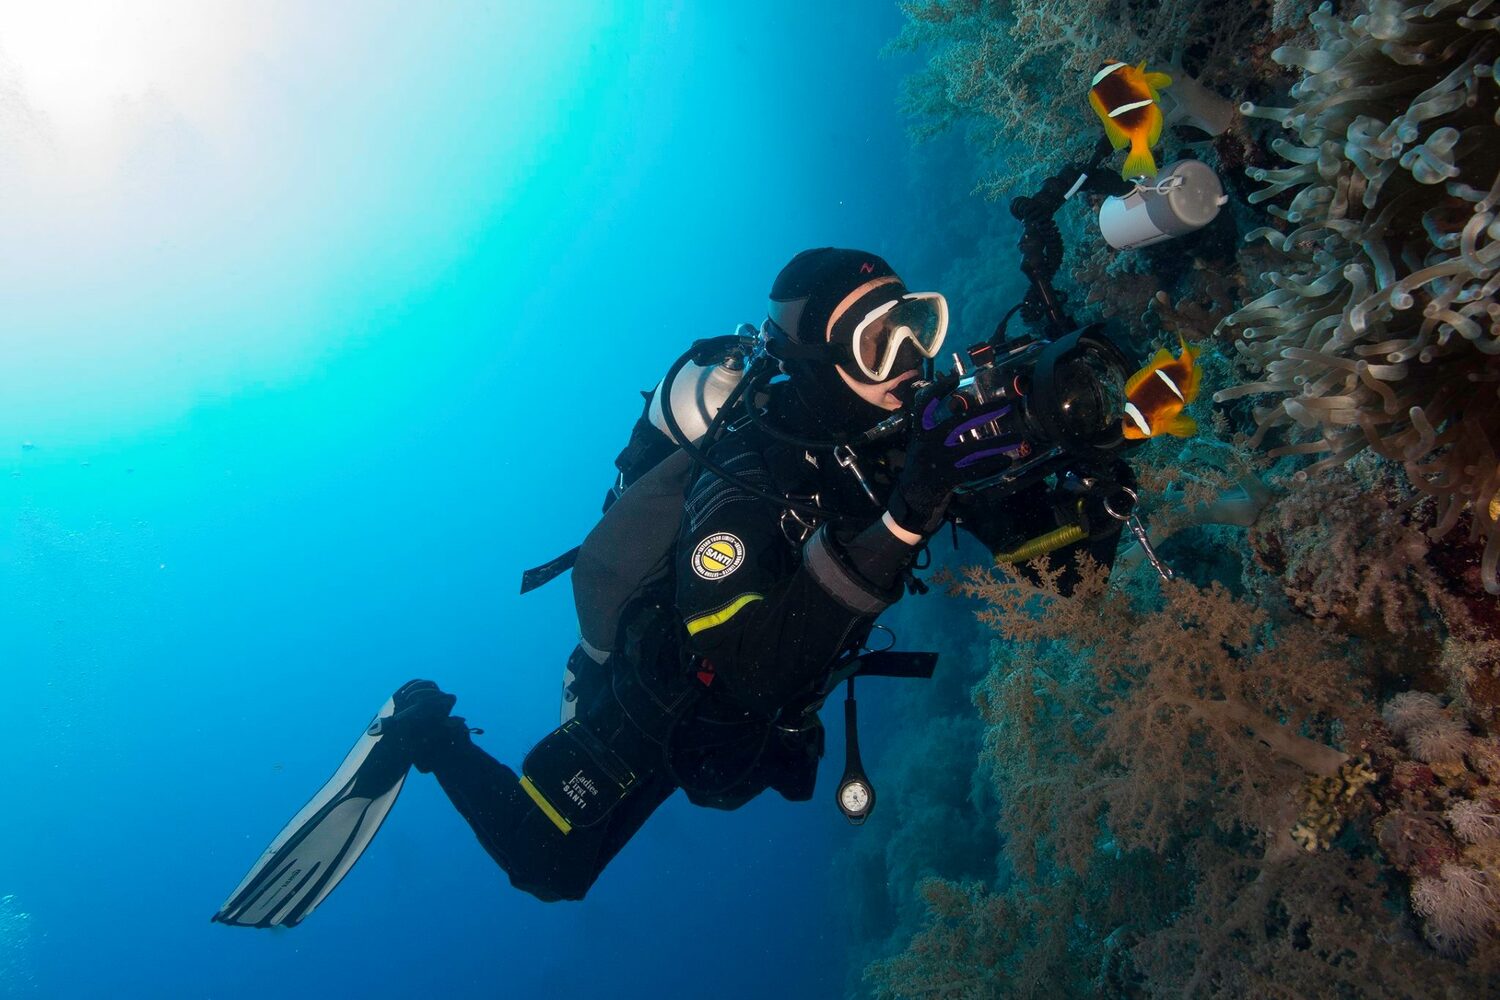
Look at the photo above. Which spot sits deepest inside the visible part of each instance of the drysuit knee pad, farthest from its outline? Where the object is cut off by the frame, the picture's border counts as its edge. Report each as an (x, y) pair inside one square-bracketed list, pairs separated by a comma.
[(576, 778)]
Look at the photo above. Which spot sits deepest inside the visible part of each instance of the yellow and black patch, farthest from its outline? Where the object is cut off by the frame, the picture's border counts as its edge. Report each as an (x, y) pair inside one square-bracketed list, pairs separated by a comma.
[(718, 555)]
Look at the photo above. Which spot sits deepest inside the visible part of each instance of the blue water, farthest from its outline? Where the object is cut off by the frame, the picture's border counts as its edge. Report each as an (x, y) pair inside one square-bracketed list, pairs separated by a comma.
[(296, 377)]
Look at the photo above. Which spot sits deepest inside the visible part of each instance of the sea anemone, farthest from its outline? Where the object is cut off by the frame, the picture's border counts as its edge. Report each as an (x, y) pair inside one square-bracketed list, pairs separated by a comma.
[(1380, 329), (1411, 710)]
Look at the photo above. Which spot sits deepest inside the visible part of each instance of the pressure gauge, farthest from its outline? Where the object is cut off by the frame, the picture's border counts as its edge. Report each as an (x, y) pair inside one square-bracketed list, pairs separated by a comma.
[(856, 798)]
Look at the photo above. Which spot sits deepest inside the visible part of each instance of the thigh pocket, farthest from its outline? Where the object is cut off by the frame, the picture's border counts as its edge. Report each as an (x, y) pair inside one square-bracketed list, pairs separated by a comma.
[(575, 778)]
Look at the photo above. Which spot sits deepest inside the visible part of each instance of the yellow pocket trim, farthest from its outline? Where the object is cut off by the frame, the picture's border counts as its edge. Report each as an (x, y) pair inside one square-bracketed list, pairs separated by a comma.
[(722, 615), (544, 805)]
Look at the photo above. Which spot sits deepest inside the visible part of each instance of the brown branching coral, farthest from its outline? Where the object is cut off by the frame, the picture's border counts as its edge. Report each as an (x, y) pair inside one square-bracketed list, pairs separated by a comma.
[(1309, 925), (1150, 764), (1347, 552), (955, 957), (981, 943), (1381, 328), (1115, 285), (1194, 319), (1144, 718)]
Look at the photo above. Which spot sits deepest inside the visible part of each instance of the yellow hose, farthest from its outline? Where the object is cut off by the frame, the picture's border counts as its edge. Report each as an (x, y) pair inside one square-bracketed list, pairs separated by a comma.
[(1042, 544)]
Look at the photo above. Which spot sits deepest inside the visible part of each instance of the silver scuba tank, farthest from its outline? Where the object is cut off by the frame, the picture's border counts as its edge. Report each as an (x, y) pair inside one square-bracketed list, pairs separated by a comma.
[(698, 393)]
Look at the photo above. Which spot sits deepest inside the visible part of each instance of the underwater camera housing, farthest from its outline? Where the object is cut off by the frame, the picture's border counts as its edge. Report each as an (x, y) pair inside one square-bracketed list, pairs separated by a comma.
[(1061, 402)]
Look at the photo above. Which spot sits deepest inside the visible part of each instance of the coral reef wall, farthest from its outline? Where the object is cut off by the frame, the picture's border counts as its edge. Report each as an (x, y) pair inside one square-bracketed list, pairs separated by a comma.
[(995, 69), (1198, 798), (1276, 775)]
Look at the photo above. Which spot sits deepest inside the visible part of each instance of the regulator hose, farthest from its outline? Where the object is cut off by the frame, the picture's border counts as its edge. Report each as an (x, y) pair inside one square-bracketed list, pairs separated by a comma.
[(701, 352)]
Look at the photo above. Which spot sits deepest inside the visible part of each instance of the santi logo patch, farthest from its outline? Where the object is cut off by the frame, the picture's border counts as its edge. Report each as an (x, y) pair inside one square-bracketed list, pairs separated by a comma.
[(717, 556)]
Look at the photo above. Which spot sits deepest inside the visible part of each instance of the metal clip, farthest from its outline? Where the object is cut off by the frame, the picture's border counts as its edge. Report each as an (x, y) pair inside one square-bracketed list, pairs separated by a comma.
[(804, 528), (1139, 531), (844, 455)]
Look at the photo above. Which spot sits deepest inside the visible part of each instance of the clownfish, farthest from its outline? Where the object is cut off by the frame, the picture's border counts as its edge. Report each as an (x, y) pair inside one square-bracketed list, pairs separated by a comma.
[(1124, 97), (1156, 395)]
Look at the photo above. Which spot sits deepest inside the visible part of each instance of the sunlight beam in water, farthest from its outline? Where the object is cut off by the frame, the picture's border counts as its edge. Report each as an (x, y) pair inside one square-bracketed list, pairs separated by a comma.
[(205, 199)]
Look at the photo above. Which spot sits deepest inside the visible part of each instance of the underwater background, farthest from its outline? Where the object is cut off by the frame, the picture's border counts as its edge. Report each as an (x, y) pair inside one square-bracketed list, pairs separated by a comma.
[(322, 322)]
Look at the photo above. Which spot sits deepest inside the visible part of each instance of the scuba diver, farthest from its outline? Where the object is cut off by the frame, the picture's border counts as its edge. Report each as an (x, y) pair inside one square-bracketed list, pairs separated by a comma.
[(734, 581)]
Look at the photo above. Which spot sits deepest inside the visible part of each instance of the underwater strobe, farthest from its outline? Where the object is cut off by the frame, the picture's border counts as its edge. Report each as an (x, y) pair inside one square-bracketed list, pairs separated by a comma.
[(1184, 197), (1060, 401)]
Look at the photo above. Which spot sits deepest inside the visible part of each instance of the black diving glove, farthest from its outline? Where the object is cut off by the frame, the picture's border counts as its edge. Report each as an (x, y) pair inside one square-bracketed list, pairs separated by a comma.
[(942, 455), (422, 726)]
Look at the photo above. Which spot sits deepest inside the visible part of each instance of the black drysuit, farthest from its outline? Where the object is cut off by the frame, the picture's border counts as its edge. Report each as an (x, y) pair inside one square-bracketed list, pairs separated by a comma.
[(717, 685)]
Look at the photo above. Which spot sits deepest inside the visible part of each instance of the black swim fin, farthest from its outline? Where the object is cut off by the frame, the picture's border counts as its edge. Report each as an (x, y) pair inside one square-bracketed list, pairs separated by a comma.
[(321, 843)]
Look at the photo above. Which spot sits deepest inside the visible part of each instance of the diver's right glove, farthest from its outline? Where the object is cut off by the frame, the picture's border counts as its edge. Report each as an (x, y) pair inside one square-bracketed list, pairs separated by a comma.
[(943, 454), (422, 725)]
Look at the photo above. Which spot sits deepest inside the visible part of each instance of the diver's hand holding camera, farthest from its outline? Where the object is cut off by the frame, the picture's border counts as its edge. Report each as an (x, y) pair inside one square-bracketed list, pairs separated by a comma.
[(945, 451)]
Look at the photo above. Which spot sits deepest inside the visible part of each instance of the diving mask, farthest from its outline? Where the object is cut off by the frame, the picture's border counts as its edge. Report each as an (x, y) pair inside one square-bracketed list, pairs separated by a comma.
[(916, 318)]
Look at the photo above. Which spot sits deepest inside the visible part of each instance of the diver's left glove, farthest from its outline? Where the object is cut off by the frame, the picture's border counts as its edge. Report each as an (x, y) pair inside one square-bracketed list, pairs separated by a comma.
[(422, 726)]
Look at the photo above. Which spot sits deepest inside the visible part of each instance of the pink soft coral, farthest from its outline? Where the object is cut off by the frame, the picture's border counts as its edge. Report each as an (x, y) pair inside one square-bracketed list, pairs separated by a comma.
[(1474, 822), (1461, 906), (1432, 733)]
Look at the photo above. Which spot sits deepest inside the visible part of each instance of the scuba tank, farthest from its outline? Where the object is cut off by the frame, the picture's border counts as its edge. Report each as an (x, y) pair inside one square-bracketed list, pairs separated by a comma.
[(697, 394), (695, 397)]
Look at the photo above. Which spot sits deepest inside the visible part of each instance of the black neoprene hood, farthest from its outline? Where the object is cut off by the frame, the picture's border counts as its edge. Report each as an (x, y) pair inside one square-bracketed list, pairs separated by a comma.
[(811, 286), (803, 298)]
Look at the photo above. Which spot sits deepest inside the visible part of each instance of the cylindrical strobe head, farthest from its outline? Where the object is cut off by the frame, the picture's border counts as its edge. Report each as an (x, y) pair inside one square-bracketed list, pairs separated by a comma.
[(1185, 196)]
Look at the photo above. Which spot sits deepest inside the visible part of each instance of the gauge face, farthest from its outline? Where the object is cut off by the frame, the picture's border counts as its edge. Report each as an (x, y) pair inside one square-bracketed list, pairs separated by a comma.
[(854, 797)]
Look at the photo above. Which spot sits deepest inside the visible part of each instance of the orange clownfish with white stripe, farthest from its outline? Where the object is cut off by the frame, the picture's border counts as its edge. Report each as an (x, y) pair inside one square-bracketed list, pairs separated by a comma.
[(1125, 99), (1157, 395)]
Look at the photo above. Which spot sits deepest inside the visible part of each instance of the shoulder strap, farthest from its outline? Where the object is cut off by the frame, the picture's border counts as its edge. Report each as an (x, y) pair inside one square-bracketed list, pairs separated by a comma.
[(548, 571)]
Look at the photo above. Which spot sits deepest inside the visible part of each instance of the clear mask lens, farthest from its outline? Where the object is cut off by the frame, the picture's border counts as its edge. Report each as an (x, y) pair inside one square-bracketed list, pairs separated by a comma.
[(920, 319)]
